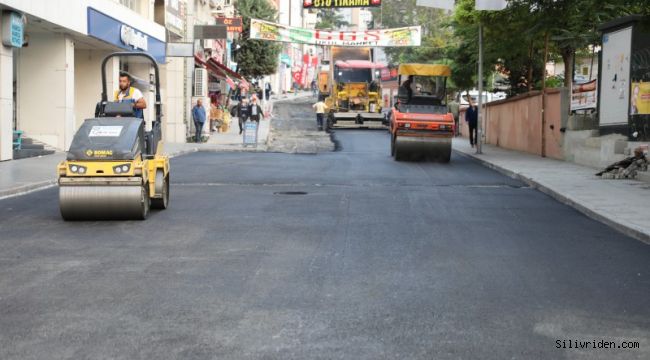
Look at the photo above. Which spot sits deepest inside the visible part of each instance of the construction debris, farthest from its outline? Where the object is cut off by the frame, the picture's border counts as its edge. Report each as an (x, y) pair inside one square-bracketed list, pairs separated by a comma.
[(627, 168)]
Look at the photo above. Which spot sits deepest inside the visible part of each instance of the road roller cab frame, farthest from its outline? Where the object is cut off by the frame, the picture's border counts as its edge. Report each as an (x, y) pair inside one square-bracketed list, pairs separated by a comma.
[(114, 168), (421, 126)]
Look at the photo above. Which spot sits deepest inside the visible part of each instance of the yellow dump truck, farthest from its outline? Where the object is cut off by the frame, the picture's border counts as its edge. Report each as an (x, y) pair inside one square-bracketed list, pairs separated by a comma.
[(353, 89)]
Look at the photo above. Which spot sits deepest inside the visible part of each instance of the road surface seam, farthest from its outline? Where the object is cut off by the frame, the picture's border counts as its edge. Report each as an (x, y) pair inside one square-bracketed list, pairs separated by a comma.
[(628, 230), (477, 186)]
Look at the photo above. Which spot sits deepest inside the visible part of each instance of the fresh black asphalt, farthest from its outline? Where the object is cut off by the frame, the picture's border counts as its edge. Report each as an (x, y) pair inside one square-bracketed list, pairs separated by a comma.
[(376, 260)]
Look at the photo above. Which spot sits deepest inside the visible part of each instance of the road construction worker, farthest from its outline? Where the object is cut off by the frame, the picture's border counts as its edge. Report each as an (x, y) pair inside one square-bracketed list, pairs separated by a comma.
[(406, 90), (320, 107), (127, 93)]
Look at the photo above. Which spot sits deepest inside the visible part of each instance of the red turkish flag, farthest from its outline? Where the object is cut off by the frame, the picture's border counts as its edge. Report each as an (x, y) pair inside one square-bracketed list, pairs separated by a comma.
[(297, 77)]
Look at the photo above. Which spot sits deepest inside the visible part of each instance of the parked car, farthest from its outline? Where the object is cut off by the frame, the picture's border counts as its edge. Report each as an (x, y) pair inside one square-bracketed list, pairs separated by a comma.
[(487, 97)]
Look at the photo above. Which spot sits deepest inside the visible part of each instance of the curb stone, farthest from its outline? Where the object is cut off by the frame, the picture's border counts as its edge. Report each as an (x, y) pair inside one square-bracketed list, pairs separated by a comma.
[(565, 199)]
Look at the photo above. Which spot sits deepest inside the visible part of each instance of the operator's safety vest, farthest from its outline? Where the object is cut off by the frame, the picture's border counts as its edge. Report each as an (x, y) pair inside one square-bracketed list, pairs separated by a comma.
[(129, 97)]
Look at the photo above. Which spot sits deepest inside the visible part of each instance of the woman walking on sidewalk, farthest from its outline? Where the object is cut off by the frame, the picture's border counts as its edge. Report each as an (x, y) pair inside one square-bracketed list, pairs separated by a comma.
[(255, 110)]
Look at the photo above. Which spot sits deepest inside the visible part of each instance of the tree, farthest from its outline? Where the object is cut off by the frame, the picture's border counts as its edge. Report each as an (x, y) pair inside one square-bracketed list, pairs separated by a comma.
[(510, 48), (330, 19), (572, 25), (514, 39), (437, 33), (255, 58)]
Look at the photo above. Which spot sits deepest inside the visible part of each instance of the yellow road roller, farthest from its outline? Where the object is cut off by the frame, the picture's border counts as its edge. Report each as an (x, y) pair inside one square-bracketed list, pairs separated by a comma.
[(114, 169)]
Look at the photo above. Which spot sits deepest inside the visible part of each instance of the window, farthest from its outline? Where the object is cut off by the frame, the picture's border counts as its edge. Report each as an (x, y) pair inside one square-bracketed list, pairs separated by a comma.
[(131, 4), (356, 75), (429, 86)]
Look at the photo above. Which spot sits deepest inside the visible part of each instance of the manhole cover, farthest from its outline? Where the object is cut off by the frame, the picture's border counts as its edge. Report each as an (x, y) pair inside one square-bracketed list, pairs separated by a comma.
[(290, 193)]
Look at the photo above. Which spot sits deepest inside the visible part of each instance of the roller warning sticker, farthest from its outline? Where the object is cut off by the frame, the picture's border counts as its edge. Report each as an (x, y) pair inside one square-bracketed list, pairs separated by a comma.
[(105, 131)]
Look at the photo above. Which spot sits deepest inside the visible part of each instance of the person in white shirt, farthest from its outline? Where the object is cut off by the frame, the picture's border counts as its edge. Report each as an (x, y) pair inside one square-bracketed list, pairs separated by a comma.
[(320, 107), (128, 93)]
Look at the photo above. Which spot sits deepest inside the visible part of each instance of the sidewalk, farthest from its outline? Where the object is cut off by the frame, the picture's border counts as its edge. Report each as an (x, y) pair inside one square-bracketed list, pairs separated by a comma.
[(25, 175), (232, 140), (20, 176), (621, 204)]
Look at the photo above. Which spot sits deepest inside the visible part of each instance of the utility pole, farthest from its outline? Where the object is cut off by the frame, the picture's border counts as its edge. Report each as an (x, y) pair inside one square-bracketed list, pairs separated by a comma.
[(544, 96), (479, 129), (189, 66)]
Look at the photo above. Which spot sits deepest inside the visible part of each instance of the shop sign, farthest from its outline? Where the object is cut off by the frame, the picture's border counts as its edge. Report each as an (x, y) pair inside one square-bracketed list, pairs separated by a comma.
[(13, 29), (640, 99), (131, 37), (406, 36), (584, 96), (389, 74), (329, 4), (250, 133), (210, 32), (112, 31), (233, 25)]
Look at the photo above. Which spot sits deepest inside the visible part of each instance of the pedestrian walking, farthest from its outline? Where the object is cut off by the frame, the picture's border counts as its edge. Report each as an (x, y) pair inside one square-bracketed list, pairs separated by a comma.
[(198, 115), (241, 112), (471, 116), (314, 88), (255, 110), (320, 107), (267, 90), (454, 108)]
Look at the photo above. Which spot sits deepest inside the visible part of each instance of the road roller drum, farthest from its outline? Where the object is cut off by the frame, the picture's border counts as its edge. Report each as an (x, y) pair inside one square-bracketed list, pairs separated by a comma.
[(422, 148), (104, 202)]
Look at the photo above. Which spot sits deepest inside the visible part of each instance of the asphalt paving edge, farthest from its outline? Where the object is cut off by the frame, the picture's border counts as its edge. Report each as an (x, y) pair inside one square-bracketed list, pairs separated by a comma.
[(617, 225), (26, 189), (42, 185)]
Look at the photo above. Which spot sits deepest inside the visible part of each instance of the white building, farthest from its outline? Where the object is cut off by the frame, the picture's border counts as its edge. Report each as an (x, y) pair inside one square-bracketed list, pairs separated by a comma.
[(292, 56), (53, 82), (586, 68)]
